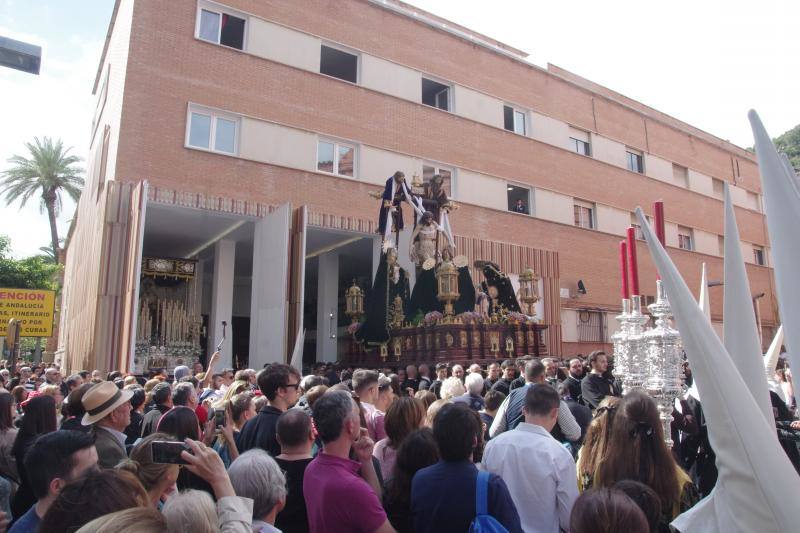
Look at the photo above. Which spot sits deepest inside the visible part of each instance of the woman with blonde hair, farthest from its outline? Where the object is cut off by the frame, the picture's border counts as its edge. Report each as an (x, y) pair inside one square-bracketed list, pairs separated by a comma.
[(451, 387), (158, 479), (133, 520), (596, 442)]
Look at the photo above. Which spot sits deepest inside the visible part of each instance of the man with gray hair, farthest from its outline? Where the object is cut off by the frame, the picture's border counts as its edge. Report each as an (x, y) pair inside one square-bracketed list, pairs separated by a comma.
[(337, 498), (257, 476), (185, 394), (472, 397)]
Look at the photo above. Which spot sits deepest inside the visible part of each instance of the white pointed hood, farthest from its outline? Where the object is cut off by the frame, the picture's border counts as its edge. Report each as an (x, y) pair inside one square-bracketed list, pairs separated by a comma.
[(705, 307), (740, 332), (782, 206), (755, 476), (703, 301), (771, 362)]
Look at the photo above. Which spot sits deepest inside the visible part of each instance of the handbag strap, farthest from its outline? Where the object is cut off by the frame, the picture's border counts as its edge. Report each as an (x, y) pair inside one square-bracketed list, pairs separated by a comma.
[(482, 494)]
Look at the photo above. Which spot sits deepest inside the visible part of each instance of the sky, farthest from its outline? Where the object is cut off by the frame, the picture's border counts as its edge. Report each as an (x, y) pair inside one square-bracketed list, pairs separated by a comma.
[(706, 62)]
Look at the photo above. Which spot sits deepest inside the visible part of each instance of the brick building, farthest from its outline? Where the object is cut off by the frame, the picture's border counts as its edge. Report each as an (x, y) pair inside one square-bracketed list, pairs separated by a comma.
[(247, 136)]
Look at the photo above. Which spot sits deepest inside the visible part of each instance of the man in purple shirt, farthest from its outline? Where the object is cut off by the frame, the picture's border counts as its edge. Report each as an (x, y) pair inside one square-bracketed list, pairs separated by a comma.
[(338, 499)]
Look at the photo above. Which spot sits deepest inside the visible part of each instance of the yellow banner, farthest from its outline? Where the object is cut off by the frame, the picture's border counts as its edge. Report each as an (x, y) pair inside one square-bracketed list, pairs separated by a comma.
[(33, 308)]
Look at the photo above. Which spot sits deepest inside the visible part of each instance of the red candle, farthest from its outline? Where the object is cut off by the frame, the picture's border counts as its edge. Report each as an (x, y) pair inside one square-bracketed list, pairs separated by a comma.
[(632, 264), (623, 265), (658, 211)]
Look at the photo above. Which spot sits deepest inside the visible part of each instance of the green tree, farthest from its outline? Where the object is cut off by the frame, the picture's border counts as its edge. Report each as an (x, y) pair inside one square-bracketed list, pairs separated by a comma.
[(789, 143), (29, 273), (48, 173)]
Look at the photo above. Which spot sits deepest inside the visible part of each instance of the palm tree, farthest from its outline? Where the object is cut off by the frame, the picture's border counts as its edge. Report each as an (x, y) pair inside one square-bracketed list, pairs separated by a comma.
[(48, 173)]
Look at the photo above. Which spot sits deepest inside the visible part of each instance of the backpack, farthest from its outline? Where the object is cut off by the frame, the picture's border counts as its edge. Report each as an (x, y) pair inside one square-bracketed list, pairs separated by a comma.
[(483, 521)]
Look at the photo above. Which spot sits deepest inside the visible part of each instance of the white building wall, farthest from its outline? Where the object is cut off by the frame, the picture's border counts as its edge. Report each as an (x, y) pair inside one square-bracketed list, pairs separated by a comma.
[(609, 151), (377, 165), (478, 106), (483, 190), (390, 78), (554, 206), (612, 220), (549, 130), (281, 44), (272, 143)]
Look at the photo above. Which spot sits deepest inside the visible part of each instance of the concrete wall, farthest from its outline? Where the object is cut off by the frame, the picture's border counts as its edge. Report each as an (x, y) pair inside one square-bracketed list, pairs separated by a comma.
[(481, 189), (278, 43), (554, 206), (612, 220), (549, 130), (609, 151), (267, 142), (390, 78), (378, 165), (478, 106)]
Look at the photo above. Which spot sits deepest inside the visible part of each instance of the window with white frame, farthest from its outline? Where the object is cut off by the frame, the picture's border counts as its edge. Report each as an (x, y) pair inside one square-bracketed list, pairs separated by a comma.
[(685, 238), (584, 214), (429, 170), (338, 63), (758, 255), (217, 26), (336, 157), (435, 94), (579, 142), (515, 120), (519, 199), (635, 160), (212, 130), (680, 175)]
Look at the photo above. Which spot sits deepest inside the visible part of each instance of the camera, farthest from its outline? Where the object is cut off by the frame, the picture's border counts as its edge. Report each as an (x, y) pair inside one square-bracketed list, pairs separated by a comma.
[(168, 452)]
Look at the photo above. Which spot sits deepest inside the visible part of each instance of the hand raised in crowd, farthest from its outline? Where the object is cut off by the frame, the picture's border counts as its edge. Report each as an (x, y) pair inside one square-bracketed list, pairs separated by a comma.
[(795, 424), (363, 447), (207, 464), (209, 431)]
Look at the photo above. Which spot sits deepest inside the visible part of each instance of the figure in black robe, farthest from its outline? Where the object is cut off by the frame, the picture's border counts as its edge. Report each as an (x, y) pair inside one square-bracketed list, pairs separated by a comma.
[(434, 197), (390, 281), (423, 297), (494, 277), (393, 196), (466, 288)]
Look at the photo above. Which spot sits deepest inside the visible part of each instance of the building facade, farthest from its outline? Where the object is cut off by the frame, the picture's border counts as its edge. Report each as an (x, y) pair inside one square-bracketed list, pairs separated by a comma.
[(247, 136)]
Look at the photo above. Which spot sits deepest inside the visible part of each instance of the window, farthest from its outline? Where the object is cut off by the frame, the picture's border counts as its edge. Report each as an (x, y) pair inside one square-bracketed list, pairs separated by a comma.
[(212, 131), (717, 187), (635, 161), (519, 199), (429, 170), (591, 326), (680, 175), (579, 142), (339, 64), (435, 94), (515, 120), (685, 238), (102, 96), (584, 214), (336, 158), (221, 28), (758, 255)]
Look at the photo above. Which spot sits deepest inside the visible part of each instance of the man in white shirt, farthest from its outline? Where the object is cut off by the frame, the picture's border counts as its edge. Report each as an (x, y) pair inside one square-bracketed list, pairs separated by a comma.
[(538, 470)]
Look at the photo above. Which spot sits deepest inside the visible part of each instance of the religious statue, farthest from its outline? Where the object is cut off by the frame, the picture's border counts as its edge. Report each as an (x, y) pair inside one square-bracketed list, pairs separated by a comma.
[(434, 197), (466, 289), (391, 283), (423, 240), (395, 191), (498, 287)]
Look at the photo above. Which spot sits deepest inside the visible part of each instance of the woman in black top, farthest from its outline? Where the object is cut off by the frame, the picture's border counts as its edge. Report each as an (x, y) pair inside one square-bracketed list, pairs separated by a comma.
[(39, 418), (417, 451)]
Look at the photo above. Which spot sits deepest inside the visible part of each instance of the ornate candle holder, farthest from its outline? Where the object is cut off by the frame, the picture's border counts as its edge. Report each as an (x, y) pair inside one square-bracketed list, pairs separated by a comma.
[(637, 364), (620, 340), (665, 357)]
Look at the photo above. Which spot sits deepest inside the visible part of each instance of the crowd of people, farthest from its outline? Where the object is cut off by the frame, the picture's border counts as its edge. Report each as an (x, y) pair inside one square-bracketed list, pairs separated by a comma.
[(521, 445)]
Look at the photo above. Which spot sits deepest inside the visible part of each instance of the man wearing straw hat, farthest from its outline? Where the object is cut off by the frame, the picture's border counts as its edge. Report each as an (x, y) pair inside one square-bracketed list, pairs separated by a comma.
[(108, 411)]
